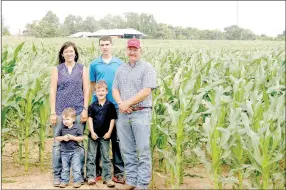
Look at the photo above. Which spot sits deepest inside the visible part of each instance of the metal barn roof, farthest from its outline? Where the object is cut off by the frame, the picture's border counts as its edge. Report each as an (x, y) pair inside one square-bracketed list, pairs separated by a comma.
[(109, 32), (116, 32), (80, 34)]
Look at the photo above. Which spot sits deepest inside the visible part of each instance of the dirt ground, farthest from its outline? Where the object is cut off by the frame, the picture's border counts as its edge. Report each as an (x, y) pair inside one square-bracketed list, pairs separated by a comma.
[(14, 176)]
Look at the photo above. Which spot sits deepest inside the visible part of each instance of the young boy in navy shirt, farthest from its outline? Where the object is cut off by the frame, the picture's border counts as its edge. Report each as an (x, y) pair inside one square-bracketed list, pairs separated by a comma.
[(101, 119), (70, 135)]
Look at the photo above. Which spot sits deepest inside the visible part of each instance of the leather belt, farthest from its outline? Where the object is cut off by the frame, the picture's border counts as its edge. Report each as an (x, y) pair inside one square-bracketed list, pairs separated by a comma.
[(138, 108)]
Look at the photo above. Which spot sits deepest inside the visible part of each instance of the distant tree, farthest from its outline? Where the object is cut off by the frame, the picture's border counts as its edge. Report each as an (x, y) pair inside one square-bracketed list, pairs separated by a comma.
[(63, 30), (281, 36), (132, 20), (165, 31), (216, 35), (181, 37), (90, 25), (147, 24), (233, 32), (74, 24), (264, 37), (180, 33), (117, 21), (193, 33), (112, 22), (32, 29), (247, 35), (236, 33), (47, 27), (5, 30)]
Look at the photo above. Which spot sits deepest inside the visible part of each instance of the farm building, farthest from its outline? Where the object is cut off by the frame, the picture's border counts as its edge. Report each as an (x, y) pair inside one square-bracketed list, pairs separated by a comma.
[(80, 34), (115, 33)]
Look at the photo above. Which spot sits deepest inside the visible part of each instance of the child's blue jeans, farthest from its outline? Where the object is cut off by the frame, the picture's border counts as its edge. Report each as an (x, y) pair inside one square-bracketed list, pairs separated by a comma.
[(71, 160)]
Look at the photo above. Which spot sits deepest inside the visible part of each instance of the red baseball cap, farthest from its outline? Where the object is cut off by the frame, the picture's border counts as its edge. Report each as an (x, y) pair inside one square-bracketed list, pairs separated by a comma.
[(133, 43)]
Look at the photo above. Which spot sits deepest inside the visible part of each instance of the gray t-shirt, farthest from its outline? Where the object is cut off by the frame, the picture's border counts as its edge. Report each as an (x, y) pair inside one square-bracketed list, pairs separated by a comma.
[(130, 80), (69, 146)]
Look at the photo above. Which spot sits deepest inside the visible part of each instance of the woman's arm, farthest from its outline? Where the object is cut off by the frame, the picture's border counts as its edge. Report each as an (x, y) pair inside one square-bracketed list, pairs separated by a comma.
[(85, 95), (53, 91), (85, 87)]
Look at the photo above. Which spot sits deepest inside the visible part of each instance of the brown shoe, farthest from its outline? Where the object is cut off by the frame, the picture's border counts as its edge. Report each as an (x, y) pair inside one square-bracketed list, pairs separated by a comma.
[(63, 185), (77, 185), (118, 179), (91, 182), (57, 183), (126, 186), (110, 183)]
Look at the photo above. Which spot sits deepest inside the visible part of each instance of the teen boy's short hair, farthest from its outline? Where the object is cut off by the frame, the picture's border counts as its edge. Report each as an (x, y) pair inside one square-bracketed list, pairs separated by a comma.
[(105, 38), (100, 84), (69, 112)]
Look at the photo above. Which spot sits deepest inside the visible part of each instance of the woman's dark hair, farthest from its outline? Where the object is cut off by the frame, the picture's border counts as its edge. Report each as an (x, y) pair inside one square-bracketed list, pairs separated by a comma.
[(65, 46)]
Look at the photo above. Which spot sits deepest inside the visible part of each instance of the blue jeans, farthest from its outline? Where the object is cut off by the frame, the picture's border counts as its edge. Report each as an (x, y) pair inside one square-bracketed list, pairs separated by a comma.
[(71, 160), (91, 155), (134, 137), (56, 161), (117, 162)]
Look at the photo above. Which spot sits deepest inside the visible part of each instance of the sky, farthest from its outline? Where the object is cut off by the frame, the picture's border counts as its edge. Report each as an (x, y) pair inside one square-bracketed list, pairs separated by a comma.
[(261, 17)]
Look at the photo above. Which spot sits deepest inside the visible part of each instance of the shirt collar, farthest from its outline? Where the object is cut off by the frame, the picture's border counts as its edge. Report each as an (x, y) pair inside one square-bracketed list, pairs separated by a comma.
[(136, 63), (111, 61), (97, 103)]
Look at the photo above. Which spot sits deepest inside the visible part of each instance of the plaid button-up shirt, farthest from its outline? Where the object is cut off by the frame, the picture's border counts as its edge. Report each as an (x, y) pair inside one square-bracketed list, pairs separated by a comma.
[(129, 80)]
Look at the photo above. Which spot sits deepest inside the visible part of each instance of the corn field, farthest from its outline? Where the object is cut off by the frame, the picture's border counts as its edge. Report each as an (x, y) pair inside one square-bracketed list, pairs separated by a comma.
[(219, 103)]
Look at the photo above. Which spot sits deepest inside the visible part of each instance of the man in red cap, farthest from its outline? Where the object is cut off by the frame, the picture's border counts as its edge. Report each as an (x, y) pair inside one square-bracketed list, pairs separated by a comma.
[(132, 87)]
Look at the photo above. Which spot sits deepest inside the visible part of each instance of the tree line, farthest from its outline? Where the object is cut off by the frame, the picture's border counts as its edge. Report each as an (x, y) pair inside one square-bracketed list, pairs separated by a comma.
[(50, 26)]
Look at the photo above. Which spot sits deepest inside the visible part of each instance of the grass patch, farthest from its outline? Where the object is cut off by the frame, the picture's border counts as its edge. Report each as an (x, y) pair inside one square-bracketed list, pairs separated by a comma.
[(8, 181)]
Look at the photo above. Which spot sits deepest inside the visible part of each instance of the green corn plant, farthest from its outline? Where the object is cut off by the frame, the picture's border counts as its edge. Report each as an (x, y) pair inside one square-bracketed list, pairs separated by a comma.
[(218, 97), (44, 111), (213, 129), (9, 65)]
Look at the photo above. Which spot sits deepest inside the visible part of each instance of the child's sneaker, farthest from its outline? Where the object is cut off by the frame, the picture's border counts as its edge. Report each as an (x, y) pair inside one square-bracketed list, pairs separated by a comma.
[(91, 182), (109, 183), (63, 185), (98, 178), (57, 183), (77, 185), (118, 179)]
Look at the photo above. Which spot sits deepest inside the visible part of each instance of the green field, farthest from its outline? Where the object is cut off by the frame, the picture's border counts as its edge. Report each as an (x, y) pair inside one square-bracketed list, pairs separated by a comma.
[(220, 103)]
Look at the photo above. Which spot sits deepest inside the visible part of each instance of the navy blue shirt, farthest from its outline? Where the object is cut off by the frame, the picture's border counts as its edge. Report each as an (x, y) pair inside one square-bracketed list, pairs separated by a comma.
[(101, 116), (69, 88), (75, 130)]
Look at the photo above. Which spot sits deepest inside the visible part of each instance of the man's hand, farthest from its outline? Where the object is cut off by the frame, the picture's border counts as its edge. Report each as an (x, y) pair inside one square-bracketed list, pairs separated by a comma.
[(94, 136), (129, 111), (124, 107), (107, 135)]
